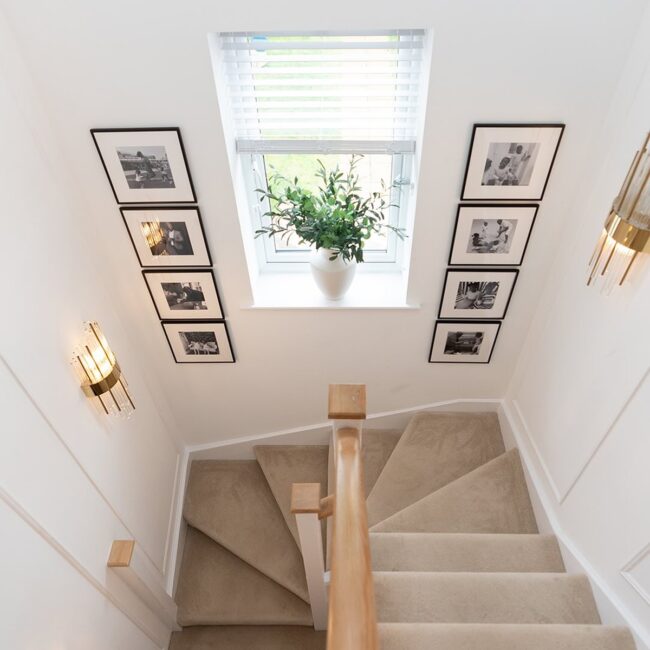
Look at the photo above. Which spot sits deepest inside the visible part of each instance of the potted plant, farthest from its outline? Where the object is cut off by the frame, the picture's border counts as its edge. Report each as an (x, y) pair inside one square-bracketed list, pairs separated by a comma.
[(337, 219)]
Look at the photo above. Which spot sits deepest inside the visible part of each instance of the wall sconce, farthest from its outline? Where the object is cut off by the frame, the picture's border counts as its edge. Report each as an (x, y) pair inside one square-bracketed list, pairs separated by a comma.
[(100, 374), (627, 229)]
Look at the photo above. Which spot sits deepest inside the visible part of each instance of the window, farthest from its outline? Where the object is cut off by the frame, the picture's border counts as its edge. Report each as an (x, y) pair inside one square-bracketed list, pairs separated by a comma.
[(296, 99)]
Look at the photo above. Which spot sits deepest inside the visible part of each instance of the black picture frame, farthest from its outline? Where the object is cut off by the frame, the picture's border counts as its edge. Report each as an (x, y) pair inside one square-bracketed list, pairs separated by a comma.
[(466, 196), (125, 210), (198, 324), (469, 324), (189, 198), (187, 272), (492, 271), (492, 206)]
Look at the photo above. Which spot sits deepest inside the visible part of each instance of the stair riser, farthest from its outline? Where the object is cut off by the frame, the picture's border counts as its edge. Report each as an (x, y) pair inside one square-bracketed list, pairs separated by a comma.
[(484, 598), (504, 637), (459, 552)]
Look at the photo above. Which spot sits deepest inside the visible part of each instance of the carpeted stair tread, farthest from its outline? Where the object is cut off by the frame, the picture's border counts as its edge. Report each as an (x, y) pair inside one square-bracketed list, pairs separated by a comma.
[(491, 499), (450, 636), (465, 552), (434, 450), (249, 637), (231, 502), (378, 445), (427, 597), (217, 588), (284, 465)]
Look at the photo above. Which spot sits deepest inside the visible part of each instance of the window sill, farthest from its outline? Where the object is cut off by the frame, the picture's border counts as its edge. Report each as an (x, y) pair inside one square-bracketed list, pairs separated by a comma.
[(299, 291)]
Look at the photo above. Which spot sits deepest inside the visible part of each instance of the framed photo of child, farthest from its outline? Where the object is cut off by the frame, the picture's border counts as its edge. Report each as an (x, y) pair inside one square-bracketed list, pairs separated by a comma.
[(510, 162), (488, 234)]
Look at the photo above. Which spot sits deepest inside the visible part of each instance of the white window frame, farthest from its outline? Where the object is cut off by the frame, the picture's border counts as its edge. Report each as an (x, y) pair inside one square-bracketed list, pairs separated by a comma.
[(252, 163)]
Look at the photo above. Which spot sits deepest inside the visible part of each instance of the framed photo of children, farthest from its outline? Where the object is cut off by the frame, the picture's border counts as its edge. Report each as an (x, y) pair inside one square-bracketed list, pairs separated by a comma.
[(199, 342), (510, 162), (463, 341), (167, 236), (477, 294), (184, 295), (145, 165), (488, 234)]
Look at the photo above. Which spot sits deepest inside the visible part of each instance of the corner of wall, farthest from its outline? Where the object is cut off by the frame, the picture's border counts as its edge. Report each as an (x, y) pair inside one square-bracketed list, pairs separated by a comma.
[(545, 500)]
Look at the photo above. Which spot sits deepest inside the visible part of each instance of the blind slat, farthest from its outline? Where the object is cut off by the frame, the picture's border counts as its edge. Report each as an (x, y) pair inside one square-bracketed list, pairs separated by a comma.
[(261, 46), (323, 85), (324, 146)]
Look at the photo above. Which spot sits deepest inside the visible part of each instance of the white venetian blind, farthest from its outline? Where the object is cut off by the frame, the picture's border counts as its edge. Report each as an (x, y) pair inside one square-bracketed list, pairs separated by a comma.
[(324, 86)]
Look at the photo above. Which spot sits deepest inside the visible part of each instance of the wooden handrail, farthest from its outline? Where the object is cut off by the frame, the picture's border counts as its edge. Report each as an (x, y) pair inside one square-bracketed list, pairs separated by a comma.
[(352, 619)]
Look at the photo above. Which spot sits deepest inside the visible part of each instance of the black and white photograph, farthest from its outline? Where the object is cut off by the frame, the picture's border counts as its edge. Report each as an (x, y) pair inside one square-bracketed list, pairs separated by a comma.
[(199, 342), (491, 235), (463, 342), (167, 236), (510, 162), (476, 294), (145, 165), (184, 295)]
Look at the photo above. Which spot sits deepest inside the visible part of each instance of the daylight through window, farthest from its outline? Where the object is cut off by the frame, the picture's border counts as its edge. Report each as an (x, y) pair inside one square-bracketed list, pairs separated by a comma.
[(295, 100)]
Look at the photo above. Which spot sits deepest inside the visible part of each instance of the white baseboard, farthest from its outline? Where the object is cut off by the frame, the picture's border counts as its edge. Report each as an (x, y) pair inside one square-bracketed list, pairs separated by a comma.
[(543, 497), (318, 434)]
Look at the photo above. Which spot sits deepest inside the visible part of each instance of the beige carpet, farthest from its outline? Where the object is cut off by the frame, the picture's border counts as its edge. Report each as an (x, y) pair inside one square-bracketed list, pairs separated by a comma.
[(216, 587), (422, 636), (429, 597), (260, 637), (231, 502), (465, 552), (378, 445), (457, 561), (491, 499), (435, 449), (284, 465)]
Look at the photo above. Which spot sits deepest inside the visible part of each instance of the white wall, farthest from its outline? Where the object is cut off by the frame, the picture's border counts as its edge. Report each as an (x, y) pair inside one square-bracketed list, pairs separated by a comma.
[(146, 63), (581, 389), (71, 480)]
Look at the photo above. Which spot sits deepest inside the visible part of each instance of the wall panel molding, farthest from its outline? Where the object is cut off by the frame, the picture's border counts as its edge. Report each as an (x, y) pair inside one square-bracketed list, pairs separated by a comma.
[(637, 387), (539, 484), (560, 495), (77, 462), (69, 557), (628, 572)]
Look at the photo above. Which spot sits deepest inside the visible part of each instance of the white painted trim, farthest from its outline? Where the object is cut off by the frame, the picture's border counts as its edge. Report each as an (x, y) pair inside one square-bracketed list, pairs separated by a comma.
[(72, 561), (311, 547), (605, 435), (612, 610), (538, 454), (626, 572), (317, 434), (137, 575), (177, 526), (79, 464)]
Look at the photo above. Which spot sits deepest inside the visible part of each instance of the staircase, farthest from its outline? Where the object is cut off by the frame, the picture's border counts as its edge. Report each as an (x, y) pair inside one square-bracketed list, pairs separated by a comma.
[(458, 563)]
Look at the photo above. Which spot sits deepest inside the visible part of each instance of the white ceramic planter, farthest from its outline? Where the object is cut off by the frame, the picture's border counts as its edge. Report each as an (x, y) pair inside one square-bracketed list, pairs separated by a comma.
[(332, 277)]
